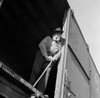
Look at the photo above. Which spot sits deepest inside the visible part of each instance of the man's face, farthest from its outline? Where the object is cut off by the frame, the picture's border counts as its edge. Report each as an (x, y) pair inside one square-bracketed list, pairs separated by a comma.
[(56, 37)]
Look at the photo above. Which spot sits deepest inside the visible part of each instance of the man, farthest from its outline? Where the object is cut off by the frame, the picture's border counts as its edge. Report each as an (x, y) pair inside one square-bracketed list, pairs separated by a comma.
[(49, 50)]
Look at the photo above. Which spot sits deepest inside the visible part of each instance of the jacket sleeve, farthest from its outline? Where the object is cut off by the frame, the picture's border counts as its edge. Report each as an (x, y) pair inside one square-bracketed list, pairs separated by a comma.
[(43, 46), (57, 55)]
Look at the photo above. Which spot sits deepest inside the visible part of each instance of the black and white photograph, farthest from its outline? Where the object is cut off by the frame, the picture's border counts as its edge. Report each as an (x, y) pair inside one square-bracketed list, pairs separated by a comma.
[(49, 49)]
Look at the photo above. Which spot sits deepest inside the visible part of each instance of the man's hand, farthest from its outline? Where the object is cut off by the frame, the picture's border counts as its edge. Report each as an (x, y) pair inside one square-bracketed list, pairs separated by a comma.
[(56, 56), (49, 58)]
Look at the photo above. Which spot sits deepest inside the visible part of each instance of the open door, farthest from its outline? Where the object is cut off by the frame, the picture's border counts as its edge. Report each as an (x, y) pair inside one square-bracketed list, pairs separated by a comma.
[(60, 79)]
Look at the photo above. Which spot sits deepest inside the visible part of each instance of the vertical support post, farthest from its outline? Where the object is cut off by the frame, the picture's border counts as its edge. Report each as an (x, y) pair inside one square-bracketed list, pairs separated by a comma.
[(59, 88)]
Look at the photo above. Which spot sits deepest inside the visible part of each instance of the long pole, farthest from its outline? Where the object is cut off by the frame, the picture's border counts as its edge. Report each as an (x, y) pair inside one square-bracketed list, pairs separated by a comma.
[(42, 74)]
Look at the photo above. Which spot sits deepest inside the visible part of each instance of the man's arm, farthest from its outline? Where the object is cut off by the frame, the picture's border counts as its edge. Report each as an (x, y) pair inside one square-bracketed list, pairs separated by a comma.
[(56, 56), (43, 44)]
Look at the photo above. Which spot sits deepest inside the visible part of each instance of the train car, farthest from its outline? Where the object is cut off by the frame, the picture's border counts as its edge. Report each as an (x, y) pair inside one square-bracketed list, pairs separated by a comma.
[(23, 24), (77, 74)]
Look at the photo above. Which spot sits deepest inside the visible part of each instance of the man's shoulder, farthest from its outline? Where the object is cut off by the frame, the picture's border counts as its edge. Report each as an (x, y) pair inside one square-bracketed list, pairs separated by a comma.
[(48, 38)]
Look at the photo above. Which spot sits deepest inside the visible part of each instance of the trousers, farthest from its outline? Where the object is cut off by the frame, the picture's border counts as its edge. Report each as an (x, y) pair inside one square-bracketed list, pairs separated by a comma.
[(39, 66)]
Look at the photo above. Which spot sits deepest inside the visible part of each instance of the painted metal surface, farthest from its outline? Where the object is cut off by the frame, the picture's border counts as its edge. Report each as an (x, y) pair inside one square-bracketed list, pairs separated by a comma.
[(94, 81), (78, 44), (82, 79)]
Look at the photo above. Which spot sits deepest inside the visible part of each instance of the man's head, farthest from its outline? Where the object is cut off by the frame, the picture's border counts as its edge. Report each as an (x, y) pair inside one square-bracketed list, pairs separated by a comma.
[(57, 34), (56, 37)]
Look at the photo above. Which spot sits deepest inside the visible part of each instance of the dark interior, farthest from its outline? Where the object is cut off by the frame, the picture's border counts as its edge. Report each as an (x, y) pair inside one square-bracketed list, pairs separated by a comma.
[(23, 24)]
